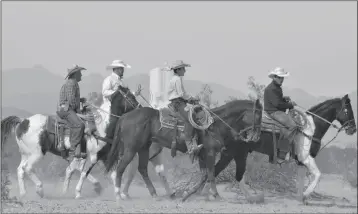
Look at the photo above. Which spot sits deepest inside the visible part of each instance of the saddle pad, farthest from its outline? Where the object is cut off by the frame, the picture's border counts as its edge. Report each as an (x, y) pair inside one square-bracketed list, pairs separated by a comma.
[(267, 123), (168, 119), (53, 121)]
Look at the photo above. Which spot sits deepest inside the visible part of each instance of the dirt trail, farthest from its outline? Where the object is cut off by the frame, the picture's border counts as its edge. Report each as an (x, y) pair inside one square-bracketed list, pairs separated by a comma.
[(142, 202)]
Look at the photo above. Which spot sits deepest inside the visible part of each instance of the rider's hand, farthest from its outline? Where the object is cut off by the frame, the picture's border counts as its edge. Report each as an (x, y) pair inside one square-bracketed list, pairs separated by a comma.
[(287, 98), (139, 90), (83, 100), (293, 103)]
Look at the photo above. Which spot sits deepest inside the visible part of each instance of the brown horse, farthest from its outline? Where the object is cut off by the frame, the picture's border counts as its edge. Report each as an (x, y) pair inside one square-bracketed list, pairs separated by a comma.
[(137, 130), (324, 114)]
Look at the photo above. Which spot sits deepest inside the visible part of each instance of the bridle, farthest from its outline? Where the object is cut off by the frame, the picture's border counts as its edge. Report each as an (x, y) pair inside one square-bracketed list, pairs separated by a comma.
[(346, 125), (125, 95)]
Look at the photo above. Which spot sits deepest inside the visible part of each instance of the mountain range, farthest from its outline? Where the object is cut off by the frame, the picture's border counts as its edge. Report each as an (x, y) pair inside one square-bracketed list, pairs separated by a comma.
[(27, 91)]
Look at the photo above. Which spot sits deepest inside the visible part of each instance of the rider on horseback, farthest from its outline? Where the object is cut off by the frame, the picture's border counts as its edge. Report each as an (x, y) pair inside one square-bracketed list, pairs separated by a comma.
[(179, 98), (109, 87), (69, 107), (275, 104)]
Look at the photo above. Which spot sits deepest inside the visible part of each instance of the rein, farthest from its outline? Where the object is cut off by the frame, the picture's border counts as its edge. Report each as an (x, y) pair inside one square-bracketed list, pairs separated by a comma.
[(253, 126), (339, 129)]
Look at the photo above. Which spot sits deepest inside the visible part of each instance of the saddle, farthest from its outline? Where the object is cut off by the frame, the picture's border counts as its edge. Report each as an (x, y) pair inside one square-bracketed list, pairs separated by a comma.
[(169, 119), (281, 146), (60, 129)]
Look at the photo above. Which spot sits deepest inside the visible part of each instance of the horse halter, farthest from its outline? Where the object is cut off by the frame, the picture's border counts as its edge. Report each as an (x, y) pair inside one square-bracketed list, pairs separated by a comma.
[(346, 125)]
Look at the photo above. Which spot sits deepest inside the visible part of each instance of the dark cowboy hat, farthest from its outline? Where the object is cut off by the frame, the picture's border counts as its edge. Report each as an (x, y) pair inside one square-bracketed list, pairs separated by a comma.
[(179, 64), (73, 70)]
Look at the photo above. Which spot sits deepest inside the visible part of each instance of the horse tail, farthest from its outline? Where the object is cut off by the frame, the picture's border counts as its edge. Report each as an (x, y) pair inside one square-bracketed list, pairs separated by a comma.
[(8, 126), (114, 152)]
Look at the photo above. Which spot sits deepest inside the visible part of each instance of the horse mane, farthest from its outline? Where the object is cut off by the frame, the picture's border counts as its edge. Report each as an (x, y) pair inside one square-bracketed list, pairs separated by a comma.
[(123, 88), (234, 106), (323, 105)]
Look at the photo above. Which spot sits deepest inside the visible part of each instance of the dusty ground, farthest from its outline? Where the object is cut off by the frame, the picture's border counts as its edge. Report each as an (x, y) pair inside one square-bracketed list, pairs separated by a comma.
[(142, 202)]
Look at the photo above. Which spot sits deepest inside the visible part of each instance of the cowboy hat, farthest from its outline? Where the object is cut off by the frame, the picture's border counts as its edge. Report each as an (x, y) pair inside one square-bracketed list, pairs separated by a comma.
[(73, 70), (117, 64), (179, 64), (278, 71)]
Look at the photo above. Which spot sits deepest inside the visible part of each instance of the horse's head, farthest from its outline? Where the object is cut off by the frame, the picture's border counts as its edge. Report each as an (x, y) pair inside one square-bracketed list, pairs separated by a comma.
[(345, 116), (124, 100), (244, 117)]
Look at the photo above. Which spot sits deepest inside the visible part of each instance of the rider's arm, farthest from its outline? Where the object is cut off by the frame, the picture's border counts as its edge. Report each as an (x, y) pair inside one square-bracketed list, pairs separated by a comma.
[(107, 88), (72, 91), (277, 100), (180, 90)]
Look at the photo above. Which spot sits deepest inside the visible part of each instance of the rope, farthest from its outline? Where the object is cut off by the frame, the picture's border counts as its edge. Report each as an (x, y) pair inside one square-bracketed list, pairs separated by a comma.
[(206, 121)]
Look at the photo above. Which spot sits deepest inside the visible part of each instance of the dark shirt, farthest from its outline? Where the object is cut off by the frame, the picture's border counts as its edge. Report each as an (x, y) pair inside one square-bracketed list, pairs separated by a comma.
[(273, 99), (70, 93)]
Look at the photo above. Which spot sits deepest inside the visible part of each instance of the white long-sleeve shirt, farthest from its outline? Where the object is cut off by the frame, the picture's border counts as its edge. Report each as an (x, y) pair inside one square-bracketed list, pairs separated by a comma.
[(110, 85), (176, 88)]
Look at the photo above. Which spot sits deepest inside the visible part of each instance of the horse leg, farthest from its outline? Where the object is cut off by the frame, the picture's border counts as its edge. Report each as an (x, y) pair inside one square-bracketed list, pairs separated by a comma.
[(123, 163), (300, 183), (133, 167), (21, 174), (160, 170), (223, 162), (210, 164), (33, 159), (240, 161), (311, 165), (143, 170), (69, 172), (85, 174)]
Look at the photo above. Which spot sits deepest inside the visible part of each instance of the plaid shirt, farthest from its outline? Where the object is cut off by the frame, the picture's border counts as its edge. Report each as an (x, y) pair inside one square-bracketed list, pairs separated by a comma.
[(70, 93)]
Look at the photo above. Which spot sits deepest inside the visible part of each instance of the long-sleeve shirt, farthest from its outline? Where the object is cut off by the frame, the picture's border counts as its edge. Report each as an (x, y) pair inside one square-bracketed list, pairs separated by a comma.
[(273, 99), (70, 94), (176, 89), (109, 86)]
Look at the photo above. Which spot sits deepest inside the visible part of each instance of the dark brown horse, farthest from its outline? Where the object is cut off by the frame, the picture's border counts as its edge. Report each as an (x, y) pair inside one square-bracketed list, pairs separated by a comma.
[(137, 130), (325, 113)]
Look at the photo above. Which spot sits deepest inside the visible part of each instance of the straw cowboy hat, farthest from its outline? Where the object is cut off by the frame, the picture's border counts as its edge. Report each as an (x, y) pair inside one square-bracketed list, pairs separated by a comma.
[(73, 70), (179, 64), (117, 64), (278, 72)]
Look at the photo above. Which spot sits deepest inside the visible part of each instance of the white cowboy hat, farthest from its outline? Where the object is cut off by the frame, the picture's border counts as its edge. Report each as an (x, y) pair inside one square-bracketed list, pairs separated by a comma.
[(73, 70), (118, 63), (278, 71), (179, 64)]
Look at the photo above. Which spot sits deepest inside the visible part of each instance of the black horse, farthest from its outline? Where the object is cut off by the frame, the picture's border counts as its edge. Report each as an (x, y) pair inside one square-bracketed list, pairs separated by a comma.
[(324, 114)]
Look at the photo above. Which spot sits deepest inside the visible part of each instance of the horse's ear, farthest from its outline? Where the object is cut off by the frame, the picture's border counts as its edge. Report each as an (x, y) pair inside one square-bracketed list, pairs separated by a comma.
[(345, 96)]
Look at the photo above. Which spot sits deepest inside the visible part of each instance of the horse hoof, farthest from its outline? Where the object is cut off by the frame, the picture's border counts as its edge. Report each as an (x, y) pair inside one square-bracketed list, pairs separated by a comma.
[(124, 196), (98, 188), (215, 197), (40, 192), (172, 196)]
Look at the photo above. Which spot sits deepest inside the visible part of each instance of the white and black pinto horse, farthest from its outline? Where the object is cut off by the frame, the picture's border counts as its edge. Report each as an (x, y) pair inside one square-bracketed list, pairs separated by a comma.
[(37, 135)]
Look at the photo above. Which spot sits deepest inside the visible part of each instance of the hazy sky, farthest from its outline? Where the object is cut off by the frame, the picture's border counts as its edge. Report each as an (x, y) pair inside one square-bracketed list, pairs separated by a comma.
[(225, 42)]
